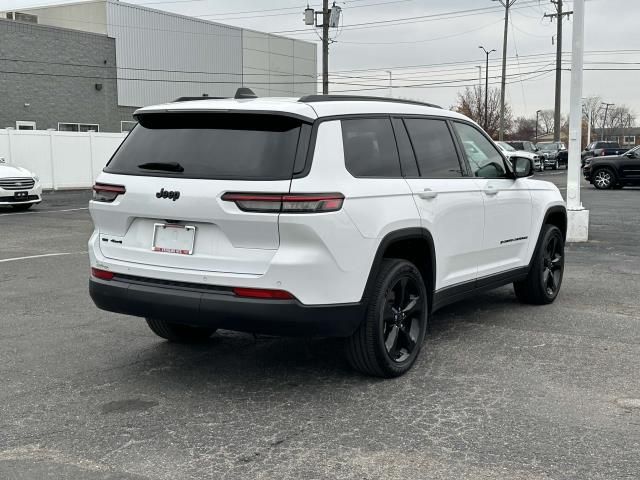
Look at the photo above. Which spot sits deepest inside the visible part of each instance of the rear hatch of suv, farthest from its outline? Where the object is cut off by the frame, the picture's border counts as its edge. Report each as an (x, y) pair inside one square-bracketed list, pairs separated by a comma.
[(172, 172)]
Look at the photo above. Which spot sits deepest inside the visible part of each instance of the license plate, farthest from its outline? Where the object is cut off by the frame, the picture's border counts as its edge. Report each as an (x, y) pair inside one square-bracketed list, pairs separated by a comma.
[(21, 195), (169, 238)]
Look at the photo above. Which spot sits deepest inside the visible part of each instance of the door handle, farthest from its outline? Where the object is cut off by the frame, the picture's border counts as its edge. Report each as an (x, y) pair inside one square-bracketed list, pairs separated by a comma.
[(491, 190), (427, 194)]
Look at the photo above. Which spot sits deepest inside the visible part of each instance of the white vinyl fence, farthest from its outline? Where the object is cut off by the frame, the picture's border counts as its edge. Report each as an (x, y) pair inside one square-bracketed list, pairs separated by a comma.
[(61, 159)]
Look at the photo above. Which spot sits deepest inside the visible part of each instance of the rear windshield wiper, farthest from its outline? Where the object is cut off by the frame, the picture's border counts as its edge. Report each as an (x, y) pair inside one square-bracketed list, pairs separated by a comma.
[(166, 166)]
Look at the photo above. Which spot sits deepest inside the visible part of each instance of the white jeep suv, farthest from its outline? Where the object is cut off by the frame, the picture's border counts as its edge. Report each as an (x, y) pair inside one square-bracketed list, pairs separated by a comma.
[(354, 217)]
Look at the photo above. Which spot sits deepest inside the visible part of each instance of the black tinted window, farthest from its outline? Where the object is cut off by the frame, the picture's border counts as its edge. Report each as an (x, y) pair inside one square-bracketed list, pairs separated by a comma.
[(407, 159), (370, 148), (434, 148), (484, 159), (206, 145)]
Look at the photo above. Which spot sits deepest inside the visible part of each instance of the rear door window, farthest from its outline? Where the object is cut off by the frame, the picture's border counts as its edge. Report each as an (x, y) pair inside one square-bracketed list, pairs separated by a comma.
[(370, 148), (209, 146), (434, 148)]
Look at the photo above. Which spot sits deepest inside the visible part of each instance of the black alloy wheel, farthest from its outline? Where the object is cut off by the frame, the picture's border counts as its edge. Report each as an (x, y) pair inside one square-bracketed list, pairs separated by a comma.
[(542, 284), (402, 318), (389, 339), (553, 260)]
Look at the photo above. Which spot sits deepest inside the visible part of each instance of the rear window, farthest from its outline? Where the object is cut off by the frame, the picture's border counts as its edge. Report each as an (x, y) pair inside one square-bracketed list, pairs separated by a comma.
[(209, 146)]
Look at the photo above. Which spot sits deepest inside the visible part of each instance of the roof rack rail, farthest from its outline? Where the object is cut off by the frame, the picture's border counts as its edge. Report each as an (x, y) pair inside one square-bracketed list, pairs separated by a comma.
[(360, 98)]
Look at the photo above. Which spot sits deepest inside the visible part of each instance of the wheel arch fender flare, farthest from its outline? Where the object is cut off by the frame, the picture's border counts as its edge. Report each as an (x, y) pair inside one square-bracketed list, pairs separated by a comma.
[(406, 234), (554, 215)]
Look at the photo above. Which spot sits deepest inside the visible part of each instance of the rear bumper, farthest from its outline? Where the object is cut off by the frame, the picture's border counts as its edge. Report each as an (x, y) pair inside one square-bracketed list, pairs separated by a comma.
[(218, 307)]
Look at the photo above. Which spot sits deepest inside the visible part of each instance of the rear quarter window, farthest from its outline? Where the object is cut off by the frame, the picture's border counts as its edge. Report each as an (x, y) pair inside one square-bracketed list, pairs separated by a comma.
[(370, 148), (210, 146)]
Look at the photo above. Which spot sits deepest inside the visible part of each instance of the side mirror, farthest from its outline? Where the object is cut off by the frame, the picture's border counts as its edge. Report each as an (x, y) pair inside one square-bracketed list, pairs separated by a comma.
[(522, 167)]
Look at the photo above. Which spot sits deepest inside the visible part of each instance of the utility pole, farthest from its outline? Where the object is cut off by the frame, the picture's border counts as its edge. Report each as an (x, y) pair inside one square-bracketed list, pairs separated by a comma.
[(537, 113), (330, 19), (507, 4), (486, 87), (604, 120), (577, 216), (325, 47), (556, 116)]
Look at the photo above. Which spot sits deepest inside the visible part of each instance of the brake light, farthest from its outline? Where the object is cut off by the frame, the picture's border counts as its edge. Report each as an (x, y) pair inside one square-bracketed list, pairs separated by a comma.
[(262, 293), (102, 274), (103, 192), (286, 202)]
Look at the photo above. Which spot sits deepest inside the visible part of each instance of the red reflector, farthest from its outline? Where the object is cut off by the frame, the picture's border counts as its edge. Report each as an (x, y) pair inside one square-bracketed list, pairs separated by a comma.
[(262, 293), (102, 274)]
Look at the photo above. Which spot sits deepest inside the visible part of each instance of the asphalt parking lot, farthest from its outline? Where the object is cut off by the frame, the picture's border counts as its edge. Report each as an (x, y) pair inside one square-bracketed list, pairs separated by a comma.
[(501, 390)]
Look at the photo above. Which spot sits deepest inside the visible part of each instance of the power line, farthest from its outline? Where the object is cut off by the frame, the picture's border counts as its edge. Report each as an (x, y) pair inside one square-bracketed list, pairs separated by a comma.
[(453, 71), (415, 19)]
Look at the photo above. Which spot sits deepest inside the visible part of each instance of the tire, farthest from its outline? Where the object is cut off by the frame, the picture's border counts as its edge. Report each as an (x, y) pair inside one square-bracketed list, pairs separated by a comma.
[(22, 207), (390, 336), (556, 165), (543, 282), (178, 333), (603, 178)]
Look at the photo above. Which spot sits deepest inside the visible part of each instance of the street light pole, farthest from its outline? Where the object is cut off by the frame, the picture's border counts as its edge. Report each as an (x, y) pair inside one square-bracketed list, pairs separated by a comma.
[(577, 216), (486, 86)]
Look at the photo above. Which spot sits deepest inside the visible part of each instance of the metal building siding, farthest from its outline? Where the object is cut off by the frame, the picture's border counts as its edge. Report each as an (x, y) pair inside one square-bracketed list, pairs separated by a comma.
[(158, 53), (278, 66)]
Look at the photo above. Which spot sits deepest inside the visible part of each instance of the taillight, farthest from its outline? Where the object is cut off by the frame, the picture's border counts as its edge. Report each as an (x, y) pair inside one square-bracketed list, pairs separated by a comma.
[(286, 202), (102, 274), (262, 293), (103, 192)]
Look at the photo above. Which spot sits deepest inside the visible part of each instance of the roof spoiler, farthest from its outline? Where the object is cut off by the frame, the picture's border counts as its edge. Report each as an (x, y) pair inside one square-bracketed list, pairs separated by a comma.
[(242, 92)]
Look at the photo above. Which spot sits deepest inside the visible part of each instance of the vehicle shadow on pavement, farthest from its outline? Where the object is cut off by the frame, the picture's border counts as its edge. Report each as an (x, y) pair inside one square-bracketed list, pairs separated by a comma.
[(232, 357)]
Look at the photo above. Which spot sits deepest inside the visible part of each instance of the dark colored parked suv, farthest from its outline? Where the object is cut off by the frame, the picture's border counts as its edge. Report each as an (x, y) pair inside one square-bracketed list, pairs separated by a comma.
[(613, 171)]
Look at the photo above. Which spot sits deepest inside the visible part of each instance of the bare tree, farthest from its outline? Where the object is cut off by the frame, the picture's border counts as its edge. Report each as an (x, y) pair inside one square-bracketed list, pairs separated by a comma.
[(545, 122), (471, 104), (591, 108), (523, 129)]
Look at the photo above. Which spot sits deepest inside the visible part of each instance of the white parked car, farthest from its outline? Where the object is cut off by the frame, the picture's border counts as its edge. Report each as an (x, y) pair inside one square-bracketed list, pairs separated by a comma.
[(19, 188), (511, 153), (355, 217)]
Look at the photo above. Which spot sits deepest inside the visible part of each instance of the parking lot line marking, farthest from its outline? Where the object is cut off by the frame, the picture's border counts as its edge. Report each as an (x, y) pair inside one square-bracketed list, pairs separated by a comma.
[(15, 259), (45, 211)]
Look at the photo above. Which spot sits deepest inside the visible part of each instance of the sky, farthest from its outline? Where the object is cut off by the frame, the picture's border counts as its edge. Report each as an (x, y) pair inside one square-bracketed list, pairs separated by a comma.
[(432, 50)]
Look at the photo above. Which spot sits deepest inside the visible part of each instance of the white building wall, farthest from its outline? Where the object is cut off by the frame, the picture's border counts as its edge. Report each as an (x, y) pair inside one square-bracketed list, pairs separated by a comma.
[(85, 16), (278, 66), (162, 56), (155, 50)]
